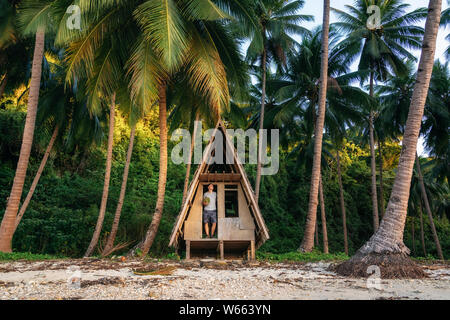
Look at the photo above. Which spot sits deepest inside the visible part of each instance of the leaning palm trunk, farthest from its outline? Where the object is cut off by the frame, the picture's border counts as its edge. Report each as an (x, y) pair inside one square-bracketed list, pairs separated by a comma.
[(316, 232), (380, 152), (323, 217), (9, 218), (153, 228), (385, 248), (373, 167), (115, 226), (101, 214), (422, 233), (342, 201), (27, 200), (413, 226), (308, 237), (188, 167), (428, 209), (261, 123)]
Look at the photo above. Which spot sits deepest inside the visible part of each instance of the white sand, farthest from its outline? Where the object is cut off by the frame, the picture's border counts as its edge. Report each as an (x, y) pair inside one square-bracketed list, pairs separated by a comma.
[(108, 280)]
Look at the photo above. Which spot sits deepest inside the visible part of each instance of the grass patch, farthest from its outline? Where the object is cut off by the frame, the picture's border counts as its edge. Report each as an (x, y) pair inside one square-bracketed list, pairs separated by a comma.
[(313, 256), (428, 259), (14, 256)]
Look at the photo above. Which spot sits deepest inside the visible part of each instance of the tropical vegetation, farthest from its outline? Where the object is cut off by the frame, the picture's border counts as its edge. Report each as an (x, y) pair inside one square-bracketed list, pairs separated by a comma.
[(86, 116)]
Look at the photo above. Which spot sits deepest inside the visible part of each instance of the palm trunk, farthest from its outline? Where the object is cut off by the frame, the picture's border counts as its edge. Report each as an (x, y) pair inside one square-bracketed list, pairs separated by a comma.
[(381, 164), (323, 217), (308, 237), (101, 214), (412, 235), (27, 200), (188, 167), (428, 209), (373, 164), (422, 233), (261, 122), (3, 85), (115, 226), (386, 248), (9, 218), (153, 228), (342, 200), (316, 236)]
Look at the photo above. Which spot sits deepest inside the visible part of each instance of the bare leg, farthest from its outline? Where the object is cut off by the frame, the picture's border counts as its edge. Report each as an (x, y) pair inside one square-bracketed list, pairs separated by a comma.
[(213, 228), (207, 229)]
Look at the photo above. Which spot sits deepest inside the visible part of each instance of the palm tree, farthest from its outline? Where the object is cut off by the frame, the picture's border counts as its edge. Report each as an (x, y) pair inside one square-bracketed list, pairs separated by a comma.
[(435, 192), (422, 233), (308, 237), (53, 113), (386, 248), (380, 49), (60, 113), (342, 202), (109, 247), (298, 90), (34, 20), (428, 209), (153, 228), (187, 42), (278, 21), (152, 40), (395, 95), (101, 215), (134, 114)]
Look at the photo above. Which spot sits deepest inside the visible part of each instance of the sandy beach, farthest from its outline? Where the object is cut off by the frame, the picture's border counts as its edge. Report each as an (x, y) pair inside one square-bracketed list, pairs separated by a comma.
[(206, 280)]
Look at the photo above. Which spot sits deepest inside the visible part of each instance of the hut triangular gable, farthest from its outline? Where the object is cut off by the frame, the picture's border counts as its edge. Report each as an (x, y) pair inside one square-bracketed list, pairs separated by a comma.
[(262, 232)]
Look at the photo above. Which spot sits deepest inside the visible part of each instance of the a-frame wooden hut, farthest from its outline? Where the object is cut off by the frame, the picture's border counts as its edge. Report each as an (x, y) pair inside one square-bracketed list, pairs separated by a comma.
[(240, 225)]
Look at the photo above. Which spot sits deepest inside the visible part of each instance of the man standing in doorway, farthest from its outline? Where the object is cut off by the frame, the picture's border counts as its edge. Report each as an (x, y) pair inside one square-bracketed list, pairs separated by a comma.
[(210, 211)]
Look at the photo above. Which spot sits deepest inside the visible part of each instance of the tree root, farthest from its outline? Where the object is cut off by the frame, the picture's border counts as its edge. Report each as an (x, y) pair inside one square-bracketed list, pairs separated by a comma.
[(391, 266)]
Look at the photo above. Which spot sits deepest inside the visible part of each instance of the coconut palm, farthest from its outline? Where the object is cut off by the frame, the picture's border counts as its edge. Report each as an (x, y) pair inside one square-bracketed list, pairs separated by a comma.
[(380, 48), (52, 115), (342, 201), (308, 237), (189, 46), (152, 40), (386, 248), (34, 20), (278, 21), (299, 90), (134, 114), (395, 96), (428, 209), (435, 193)]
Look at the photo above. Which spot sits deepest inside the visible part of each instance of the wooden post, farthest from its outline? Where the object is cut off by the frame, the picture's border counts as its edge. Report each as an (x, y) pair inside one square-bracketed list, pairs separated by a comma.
[(188, 249), (252, 249), (222, 254)]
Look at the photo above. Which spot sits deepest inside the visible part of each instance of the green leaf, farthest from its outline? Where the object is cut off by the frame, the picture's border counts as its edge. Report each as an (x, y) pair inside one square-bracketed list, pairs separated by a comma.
[(163, 26)]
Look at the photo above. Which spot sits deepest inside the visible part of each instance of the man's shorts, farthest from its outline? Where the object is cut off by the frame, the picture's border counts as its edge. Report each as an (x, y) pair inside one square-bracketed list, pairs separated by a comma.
[(209, 216)]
